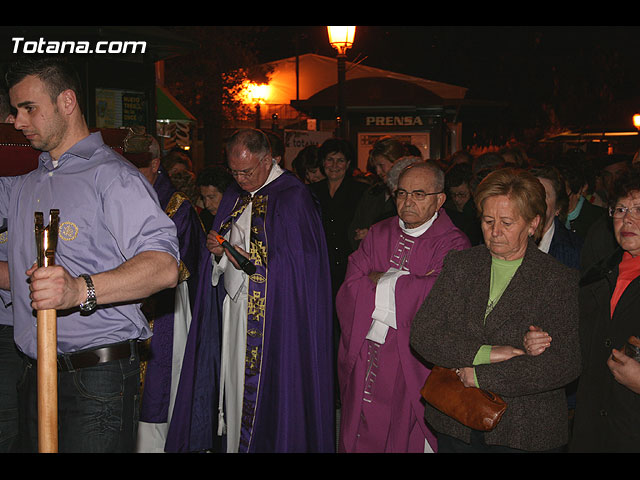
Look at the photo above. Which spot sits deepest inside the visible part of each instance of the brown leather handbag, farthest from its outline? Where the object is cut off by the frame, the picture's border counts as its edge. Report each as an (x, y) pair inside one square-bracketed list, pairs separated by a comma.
[(473, 407)]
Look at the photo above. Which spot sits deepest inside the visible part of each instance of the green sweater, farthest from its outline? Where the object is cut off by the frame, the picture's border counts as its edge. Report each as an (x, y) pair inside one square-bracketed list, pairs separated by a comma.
[(502, 271)]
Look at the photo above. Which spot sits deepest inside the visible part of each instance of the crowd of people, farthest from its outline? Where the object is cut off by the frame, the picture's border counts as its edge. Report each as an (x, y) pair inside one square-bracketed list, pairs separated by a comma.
[(252, 308)]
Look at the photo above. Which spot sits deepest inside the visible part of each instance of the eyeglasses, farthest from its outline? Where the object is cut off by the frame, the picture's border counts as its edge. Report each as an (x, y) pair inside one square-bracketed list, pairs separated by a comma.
[(620, 212), (418, 195), (245, 173), (459, 194)]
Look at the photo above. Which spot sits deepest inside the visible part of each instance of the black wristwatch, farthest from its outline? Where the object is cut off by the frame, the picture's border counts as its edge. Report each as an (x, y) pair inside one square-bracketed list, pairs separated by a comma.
[(90, 303)]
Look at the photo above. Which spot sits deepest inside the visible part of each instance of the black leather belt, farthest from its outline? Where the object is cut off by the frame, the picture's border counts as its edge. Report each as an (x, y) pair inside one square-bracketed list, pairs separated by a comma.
[(93, 357)]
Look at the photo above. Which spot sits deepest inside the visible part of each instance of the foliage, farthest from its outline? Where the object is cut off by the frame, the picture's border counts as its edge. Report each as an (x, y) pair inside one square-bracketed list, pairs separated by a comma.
[(206, 80)]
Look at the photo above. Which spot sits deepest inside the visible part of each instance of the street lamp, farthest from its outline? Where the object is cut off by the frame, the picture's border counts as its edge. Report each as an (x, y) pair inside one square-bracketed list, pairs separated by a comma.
[(341, 38)]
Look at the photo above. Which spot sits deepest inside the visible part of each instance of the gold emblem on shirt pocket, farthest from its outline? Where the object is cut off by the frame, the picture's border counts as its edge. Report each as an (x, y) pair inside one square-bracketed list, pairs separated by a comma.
[(68, 231)]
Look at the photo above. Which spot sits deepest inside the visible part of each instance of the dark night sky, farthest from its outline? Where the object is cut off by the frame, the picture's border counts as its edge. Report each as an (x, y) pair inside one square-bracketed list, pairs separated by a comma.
[(580, 70), (478, 57)]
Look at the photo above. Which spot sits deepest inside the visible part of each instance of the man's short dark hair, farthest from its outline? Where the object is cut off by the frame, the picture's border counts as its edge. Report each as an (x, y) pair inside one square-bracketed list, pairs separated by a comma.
[(215, 176), (458, 174), (57, 73)]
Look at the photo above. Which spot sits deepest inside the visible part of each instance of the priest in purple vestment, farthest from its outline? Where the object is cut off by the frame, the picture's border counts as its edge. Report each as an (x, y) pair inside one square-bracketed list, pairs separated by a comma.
[(276, 375), (387, 280), (180, 319)]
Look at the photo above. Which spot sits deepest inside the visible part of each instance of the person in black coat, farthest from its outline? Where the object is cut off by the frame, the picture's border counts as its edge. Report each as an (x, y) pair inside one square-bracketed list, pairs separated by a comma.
[(581, 214), (607, 413), (459, 205), (557, 240), (607, 416), (377, 202), (338, 194)]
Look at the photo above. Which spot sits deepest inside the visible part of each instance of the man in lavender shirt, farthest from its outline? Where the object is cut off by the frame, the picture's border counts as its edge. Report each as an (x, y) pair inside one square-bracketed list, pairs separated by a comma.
[(10, 361), (116, 246)]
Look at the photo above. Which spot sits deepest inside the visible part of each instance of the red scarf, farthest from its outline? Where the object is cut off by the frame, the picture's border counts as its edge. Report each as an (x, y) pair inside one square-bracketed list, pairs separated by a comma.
[(629, 269)]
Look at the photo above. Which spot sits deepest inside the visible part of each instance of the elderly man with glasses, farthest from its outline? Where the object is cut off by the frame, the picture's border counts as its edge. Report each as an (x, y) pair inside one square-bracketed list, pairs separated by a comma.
[(277, 369), (387, 280)]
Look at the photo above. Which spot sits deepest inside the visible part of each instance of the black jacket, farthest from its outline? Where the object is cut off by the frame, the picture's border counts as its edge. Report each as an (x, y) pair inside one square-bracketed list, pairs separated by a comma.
[(565, 245), (337, 214), (588, 215), (607, 416)]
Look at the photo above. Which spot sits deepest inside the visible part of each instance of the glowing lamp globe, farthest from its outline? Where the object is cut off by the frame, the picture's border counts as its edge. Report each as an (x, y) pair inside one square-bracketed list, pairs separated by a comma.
[(341, 38)]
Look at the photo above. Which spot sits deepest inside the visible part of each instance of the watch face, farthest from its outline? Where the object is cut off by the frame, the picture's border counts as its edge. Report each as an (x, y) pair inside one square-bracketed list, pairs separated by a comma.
[(88, 306), (90, 303)]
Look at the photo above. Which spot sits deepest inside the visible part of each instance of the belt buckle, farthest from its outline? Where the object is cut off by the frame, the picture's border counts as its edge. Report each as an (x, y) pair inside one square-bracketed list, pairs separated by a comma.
[(64, 362)]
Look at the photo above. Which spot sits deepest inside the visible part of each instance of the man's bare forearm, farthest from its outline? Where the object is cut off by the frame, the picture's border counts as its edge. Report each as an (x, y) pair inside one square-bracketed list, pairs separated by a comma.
[(137, 278)]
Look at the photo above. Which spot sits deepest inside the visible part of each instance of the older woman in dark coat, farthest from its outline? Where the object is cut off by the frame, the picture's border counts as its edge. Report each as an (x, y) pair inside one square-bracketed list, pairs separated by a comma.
[(484, 302), (607, 417)]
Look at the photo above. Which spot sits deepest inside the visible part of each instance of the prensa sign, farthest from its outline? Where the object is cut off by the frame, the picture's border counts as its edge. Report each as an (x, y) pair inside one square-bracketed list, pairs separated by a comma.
[(394, 121)]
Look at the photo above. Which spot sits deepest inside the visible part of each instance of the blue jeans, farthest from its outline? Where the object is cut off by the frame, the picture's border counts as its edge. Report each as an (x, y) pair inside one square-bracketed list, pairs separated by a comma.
[(10, 371), (98, 407)]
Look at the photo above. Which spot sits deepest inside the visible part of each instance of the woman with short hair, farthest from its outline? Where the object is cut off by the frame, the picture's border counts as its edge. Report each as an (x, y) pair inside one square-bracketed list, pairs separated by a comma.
[(484, 302), (607, 417)]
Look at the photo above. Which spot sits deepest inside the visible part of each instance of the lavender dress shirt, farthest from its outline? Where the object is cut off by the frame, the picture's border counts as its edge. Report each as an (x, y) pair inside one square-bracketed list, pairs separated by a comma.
[(108, 214), (6, 309)]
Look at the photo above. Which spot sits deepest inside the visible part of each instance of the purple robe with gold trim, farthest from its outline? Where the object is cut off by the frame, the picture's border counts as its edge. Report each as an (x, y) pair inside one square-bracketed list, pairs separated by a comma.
[(380, 383), (288, 385), (195, 269)]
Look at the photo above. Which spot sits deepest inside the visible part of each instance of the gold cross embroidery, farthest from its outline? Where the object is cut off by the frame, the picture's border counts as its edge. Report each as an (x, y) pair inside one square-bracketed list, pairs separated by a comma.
[(256, 306)]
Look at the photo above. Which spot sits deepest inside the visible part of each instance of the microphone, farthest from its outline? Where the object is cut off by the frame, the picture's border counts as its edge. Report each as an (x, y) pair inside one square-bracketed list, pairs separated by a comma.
[(246, 265)]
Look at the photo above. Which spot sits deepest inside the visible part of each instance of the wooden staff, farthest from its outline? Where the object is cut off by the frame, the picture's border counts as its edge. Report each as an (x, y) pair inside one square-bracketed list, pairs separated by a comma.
[(46, 241)]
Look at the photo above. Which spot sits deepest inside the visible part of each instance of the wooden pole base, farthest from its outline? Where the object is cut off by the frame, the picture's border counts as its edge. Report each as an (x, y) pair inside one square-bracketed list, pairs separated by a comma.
[(47, 382)]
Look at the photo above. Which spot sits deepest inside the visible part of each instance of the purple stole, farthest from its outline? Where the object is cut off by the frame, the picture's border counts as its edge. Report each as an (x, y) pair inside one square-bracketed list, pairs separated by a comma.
[(257, 300)]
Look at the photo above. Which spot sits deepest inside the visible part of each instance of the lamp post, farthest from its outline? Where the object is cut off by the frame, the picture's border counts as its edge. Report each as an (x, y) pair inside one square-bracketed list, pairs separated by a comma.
[(341, 38)]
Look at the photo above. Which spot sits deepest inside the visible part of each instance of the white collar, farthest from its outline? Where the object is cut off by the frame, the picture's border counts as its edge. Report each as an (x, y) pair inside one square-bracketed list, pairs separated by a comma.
[(545, 242), (419, 230), (275, 172)]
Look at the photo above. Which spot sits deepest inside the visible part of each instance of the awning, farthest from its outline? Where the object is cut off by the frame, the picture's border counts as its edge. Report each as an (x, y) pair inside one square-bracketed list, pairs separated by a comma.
[(313, 73), (168, 108)]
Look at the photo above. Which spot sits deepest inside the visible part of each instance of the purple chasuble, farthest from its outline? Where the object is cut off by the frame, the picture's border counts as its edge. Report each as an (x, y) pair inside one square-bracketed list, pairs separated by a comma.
[(195, 269), (380, 384), (288, 388)]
